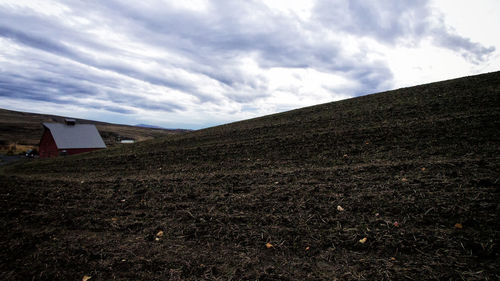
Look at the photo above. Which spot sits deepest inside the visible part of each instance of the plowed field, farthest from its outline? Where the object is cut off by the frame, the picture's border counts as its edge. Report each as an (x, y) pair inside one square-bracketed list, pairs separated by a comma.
[(401, 185)]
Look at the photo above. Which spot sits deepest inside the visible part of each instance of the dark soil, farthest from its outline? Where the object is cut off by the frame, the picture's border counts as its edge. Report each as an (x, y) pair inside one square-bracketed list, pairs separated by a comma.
[(416, 172), (7, 159)]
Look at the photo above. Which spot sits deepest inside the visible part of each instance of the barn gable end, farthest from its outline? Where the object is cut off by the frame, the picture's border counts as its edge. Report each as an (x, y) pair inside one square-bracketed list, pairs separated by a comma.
[(47, 146)]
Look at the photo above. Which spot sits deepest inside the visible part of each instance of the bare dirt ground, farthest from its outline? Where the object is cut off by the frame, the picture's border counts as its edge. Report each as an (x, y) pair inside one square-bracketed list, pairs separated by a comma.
[(402, 185), (7, 159)]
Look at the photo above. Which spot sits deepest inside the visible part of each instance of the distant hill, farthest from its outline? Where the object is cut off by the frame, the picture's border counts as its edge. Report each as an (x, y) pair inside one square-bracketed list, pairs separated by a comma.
[(24, 130), (158, 127), (399, 185), (149, 126)]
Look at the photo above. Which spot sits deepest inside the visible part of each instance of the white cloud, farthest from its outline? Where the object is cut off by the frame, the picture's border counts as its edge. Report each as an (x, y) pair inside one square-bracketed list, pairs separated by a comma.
[(199, 63), (299, 8)]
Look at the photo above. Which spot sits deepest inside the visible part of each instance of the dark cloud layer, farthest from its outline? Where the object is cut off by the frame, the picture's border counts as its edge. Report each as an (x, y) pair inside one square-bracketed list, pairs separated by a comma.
[(153, 55)]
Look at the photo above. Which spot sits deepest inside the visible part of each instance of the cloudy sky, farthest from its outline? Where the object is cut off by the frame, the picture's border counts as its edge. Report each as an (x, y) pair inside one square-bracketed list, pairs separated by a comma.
[(199, 63)]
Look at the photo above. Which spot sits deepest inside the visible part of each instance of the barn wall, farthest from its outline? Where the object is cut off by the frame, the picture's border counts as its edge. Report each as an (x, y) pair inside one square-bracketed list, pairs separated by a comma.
[(48, 147)]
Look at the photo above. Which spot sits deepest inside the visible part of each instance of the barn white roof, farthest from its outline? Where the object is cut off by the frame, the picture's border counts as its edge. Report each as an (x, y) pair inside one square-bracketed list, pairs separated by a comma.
[(75, 136)]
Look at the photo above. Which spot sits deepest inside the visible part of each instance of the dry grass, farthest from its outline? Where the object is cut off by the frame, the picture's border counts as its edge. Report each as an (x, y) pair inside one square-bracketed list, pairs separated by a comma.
[(15, 148)]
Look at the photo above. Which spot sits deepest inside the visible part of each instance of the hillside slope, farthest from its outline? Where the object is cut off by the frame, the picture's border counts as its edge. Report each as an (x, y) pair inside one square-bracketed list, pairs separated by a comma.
[(25, 129), (415, 171)]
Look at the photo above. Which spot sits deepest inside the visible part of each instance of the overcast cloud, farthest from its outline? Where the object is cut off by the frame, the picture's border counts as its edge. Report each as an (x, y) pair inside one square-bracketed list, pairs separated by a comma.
[(197, 63)]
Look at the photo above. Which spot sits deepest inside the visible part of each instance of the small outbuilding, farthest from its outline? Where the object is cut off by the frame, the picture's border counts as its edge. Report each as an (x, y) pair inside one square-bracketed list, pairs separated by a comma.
[(69, 138)]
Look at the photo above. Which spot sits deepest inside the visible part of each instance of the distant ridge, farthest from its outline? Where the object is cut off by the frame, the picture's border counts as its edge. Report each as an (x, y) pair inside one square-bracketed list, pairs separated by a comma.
[(24, 130), (149, 126), (162, 128)]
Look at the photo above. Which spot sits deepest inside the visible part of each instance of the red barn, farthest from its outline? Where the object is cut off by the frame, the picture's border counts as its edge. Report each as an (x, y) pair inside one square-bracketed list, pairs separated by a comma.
[(69, 138)]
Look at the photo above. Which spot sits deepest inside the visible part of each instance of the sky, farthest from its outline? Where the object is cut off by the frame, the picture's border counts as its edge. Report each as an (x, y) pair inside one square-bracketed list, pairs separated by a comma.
[(198, 63)]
